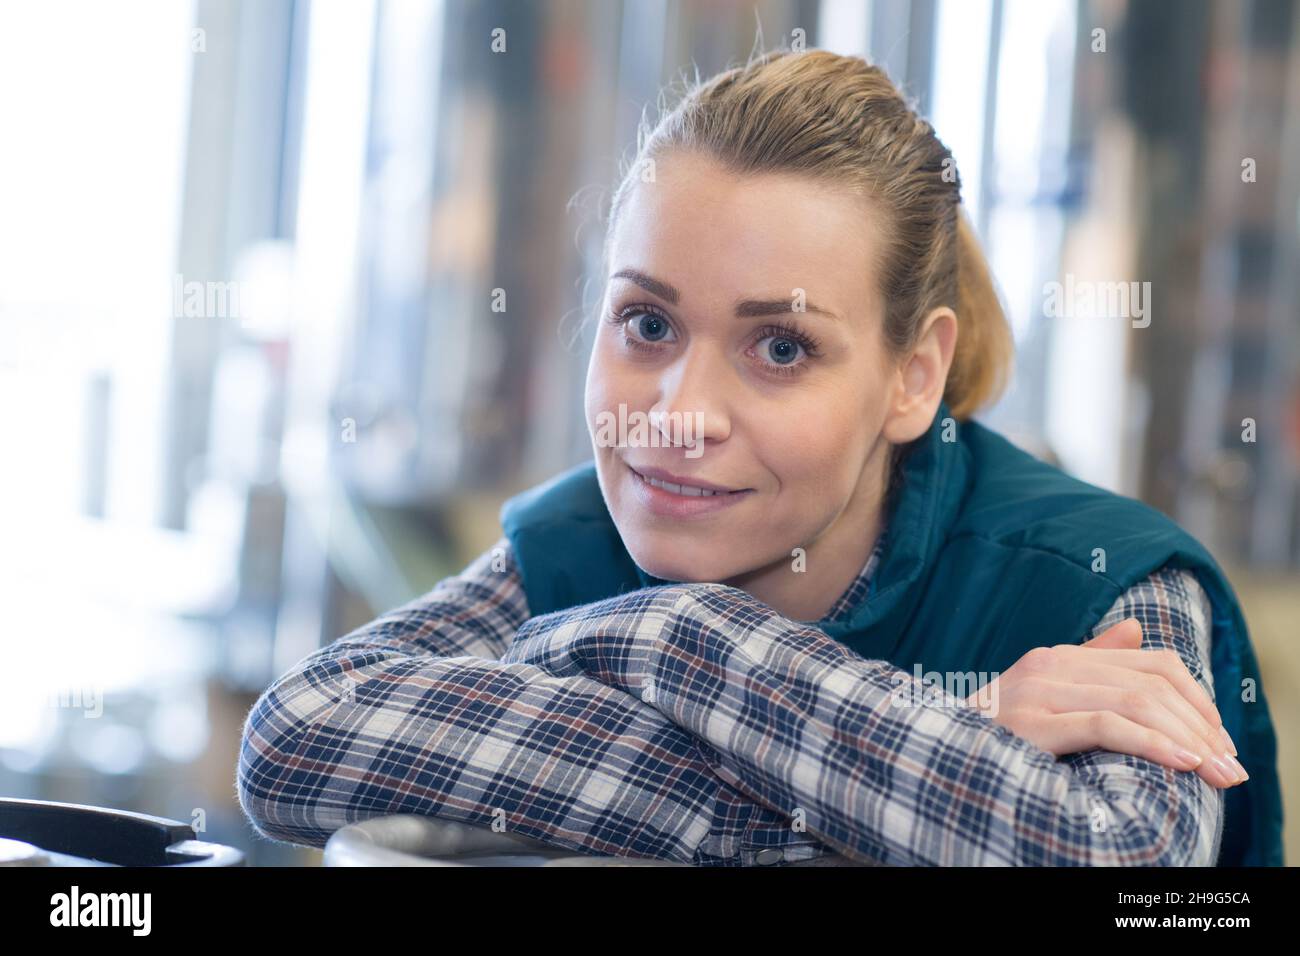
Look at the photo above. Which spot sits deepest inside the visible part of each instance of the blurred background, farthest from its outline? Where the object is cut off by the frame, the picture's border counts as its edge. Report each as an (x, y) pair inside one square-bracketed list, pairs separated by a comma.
[(292, 298)]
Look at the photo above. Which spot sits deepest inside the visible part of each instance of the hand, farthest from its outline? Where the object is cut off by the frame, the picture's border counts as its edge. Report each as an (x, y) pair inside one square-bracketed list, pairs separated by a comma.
[(1109, 693)]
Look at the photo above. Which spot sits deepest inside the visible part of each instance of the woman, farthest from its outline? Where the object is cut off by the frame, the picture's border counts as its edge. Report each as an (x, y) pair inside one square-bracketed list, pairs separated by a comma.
[(711, 645)]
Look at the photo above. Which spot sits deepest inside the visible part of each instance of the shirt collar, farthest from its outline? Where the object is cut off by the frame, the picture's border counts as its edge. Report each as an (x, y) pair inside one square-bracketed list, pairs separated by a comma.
[(860, 587)]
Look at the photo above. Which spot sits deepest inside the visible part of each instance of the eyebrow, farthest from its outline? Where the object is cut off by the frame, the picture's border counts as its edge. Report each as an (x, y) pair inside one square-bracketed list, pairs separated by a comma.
[(745, 308)]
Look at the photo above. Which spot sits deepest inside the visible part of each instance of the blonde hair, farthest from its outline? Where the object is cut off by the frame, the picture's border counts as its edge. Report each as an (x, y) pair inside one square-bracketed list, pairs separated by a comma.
[(840, 120)]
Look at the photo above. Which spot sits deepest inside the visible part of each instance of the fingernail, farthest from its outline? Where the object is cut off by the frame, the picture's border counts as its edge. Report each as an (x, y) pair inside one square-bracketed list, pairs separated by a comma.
[(1242, 776), (1232, 748), (1225, 771), (1189, 760)]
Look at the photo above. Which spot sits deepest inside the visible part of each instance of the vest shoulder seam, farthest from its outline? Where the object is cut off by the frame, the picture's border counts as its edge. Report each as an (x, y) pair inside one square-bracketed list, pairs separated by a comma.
[(1104, 575)]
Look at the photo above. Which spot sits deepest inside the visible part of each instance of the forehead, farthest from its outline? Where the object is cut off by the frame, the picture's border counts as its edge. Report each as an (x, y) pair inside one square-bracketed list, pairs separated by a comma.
[(714, 233)]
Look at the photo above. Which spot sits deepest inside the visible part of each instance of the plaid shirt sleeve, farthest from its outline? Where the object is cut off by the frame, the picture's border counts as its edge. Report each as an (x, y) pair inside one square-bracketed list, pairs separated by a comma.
[(876, 766), (412, 713)]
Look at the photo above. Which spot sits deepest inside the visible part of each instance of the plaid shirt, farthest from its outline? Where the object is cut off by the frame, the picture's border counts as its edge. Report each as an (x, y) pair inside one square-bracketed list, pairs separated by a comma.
[(691, 722)]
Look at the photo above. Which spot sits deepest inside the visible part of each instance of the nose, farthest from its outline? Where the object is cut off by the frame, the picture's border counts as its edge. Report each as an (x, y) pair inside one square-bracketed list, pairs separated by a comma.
[(693, 407)]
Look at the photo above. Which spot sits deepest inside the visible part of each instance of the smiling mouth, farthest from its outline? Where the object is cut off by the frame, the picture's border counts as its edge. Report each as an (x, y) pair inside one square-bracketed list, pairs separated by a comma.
[(686, 490)]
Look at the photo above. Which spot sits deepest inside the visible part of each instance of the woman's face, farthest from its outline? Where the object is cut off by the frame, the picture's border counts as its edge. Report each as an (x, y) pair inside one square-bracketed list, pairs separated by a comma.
[(702, 324)]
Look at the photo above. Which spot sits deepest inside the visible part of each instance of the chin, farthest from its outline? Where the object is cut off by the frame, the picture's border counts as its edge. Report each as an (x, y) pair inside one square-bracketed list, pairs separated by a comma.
[(675, 560)]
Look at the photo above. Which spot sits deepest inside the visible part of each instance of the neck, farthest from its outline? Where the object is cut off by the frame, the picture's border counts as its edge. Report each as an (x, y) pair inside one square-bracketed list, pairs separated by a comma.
[(807, 591)]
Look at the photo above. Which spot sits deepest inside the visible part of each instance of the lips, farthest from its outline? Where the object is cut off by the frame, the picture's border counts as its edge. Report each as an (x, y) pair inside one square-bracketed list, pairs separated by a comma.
[(668, 496), (681, 485)]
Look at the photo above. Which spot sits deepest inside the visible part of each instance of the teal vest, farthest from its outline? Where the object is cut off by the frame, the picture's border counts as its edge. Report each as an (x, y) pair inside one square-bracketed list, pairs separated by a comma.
[(990, 553)]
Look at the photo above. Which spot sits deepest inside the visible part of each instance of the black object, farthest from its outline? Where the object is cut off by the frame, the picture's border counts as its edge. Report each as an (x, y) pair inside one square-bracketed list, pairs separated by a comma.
[(69, 834)]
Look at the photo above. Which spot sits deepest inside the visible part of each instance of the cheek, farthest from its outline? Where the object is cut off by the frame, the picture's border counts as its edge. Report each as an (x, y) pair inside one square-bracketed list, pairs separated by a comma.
[(816, 443), (604, 390)]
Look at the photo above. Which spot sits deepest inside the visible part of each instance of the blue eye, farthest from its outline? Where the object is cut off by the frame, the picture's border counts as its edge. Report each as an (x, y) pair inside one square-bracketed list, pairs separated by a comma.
[(651, 327), (782, 350), (643, 327)]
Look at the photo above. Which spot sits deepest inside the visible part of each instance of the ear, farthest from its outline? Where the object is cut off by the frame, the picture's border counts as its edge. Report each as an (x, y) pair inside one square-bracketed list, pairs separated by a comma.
[(920, 378)]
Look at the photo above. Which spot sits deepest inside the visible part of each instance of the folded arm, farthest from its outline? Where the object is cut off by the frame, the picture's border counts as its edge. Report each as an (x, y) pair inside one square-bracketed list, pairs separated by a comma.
[(412, 714), (875, 766)]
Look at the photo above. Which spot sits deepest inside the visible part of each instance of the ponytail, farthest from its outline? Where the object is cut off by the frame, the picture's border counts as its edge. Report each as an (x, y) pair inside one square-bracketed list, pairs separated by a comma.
[(984, 350)]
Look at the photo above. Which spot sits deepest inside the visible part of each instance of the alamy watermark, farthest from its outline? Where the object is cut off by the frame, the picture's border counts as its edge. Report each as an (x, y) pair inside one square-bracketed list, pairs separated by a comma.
[(959, 688), (1087, 299), (88, 699), (638, 429), (258, 304)]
